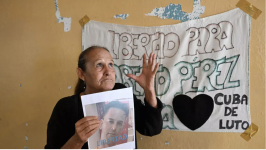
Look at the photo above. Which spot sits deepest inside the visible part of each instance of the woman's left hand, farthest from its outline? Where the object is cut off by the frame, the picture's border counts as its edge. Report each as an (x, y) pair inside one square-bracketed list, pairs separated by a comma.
[(146, 78)]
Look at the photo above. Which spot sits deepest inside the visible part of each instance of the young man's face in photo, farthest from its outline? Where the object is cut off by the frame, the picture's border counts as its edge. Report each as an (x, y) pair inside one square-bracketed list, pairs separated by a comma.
[(113, 123)]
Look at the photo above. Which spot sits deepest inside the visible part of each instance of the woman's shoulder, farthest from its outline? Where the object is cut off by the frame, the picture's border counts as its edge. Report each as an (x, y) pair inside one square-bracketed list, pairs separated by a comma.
[(67, 102), (63, 110)]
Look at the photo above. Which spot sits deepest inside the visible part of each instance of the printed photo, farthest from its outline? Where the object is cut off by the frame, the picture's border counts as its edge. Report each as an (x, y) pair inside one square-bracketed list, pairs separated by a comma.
[(117, 123)]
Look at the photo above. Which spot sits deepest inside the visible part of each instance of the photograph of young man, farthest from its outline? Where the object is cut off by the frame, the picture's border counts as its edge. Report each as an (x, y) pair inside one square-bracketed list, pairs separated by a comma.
[(112, 124)]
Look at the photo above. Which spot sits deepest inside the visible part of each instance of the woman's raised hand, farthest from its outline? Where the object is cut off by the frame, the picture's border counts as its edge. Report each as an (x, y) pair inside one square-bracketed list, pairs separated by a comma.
[(146, 79)]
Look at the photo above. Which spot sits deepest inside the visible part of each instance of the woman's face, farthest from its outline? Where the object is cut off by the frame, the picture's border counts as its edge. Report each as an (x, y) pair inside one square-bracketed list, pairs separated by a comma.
[(100, 74)]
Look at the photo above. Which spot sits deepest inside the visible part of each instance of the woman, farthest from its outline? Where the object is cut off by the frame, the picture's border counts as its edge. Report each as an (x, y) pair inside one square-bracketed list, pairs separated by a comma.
[(68, 128)]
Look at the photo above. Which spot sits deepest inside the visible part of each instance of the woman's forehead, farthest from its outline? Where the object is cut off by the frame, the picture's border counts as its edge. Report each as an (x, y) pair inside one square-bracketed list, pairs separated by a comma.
[(99, 54)]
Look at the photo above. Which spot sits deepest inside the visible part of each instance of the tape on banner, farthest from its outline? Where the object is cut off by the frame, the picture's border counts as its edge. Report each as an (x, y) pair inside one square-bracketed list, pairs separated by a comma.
[(248, 8), (84, 20), (250, 132)]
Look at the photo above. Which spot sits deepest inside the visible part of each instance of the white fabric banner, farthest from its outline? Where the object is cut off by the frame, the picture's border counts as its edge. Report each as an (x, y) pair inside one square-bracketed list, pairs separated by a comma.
[(203, 77)]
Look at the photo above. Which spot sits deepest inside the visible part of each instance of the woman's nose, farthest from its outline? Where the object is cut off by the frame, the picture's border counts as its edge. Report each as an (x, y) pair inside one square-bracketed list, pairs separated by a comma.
[(108, 70)]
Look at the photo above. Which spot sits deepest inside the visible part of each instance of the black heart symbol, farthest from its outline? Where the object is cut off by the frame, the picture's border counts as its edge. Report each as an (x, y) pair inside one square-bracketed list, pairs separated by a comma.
[(193, 113)]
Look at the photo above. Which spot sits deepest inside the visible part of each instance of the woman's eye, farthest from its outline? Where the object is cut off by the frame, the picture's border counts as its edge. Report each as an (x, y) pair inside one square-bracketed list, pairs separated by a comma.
[(111, 122), (111, 65), (99, 65)]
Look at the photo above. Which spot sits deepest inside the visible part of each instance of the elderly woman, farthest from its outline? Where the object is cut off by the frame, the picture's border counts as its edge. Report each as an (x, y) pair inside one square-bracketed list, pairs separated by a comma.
[(68, 128)]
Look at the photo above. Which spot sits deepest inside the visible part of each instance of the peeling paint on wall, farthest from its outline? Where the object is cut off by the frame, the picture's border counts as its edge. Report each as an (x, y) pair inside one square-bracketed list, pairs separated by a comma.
[(174, 11), (122, 16), (67, 21)]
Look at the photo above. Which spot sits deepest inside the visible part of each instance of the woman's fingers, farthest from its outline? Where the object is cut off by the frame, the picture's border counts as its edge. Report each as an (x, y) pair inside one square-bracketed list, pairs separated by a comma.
[(83, 120), (132, 76), (87, 132), (87, 124), (153, 62), (144, 61), (150, 60), (91, 132), (155, 69), (90, 128)]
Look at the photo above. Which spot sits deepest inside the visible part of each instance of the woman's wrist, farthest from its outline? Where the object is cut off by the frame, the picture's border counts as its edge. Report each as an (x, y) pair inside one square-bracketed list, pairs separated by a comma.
[(73, 143), (151, 97)]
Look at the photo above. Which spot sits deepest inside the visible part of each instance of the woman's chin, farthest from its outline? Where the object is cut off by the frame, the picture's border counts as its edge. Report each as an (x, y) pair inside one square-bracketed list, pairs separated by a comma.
[(108, 86)]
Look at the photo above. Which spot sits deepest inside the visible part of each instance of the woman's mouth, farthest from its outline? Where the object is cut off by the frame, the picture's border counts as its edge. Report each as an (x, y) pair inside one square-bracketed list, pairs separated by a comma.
[(107, 80)]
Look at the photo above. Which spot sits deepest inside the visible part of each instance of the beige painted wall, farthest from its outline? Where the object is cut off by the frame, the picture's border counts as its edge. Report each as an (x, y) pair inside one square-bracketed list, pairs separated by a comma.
[(39, 55)]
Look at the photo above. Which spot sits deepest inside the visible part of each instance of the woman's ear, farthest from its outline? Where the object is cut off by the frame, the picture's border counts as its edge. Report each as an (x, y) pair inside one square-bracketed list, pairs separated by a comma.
[(80, 74)]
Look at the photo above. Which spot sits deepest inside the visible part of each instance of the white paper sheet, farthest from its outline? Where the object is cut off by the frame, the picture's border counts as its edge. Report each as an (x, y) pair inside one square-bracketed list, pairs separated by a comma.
[(114, 120)]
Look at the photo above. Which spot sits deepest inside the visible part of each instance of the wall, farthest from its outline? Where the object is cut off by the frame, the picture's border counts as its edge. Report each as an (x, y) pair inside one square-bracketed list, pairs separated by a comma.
[(38, 61)]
